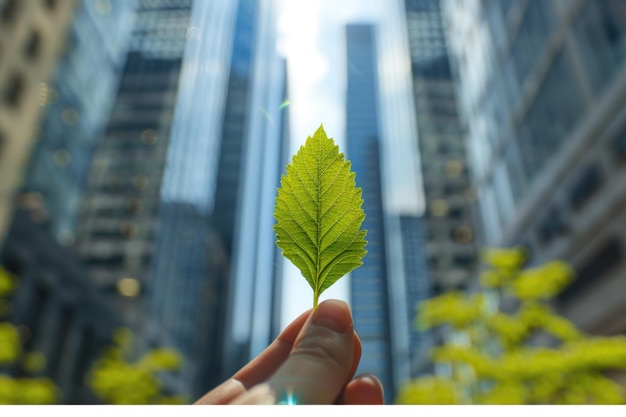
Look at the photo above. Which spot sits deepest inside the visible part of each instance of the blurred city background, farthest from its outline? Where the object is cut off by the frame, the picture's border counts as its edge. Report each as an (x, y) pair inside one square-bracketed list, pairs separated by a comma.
[(142, 142)]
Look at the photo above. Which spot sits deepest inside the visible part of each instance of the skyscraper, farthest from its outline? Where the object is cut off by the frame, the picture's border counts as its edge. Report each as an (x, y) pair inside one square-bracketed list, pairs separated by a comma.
[(542, 86), (122, 208), (119, 213), (370, 305), (253, 314), (212, 284), (449, 222), (393, 274), (188, 272)]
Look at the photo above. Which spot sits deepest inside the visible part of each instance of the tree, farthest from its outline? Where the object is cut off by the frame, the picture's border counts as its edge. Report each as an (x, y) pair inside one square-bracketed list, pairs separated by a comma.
[(494, 357), (117, 379), (20, 390), (114, 378)]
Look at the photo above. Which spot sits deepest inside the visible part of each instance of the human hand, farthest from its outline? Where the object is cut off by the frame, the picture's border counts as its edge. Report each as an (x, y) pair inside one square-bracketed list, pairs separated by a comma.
[(312, 361)]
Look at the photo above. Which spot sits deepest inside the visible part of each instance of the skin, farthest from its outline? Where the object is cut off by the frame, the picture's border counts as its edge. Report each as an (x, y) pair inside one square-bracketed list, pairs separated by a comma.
[(313, 361)]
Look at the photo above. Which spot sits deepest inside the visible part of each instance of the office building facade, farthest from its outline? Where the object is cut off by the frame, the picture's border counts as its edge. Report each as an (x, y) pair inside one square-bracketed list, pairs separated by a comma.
[(76, 105), (158, 161), (393, 277), (63, 60), (212, 283), (542, 87), (449, 219), (255, 143), (119, 212), (32, 38)]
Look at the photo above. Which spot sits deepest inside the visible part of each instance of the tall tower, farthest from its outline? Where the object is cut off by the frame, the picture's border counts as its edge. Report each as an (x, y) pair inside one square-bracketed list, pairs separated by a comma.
[(252, 157), (393, 276), (118, 218), (213, 277), (368, 284), (542, 89), (449, 223)]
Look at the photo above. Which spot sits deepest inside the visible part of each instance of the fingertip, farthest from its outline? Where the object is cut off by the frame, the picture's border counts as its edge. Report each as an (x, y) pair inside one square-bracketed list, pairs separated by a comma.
[(363, 390), (322, 358)]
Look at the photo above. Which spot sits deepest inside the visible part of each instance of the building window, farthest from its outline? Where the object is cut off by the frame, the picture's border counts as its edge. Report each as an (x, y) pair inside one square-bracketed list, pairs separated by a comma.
[(50, 4), (134, 206), (456, 213), (619, 148), (464, 261), (128, 287), (439, 208), (552, 226), (552, 115), (600, 264), (13, 90), (105, 261), (33, 45), (586, 186), (601, 36), (531, 38), (454, 168), (463, 234), (8, 10)]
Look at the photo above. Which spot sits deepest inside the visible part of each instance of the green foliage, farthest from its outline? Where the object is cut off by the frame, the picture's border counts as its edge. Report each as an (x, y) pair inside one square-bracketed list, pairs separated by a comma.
[(118, 380), (25, 390), (10, 347), (318, 214), (114, 378), (35, 391), (7, 283), (490, 355)]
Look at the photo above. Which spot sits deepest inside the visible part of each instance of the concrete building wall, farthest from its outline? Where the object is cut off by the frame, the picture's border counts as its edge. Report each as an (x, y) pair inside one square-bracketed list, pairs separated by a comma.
[(32, 37)]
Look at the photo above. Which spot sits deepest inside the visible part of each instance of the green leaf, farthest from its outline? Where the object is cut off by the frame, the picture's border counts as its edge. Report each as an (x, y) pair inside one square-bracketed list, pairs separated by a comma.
[(318, 214)]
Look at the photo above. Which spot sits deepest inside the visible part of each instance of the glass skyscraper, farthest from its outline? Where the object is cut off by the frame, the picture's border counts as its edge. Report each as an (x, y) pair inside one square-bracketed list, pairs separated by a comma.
[(542, 91), (368, 283), (393, 277), (213, 283), (119, 213), (449, 220), (161, 157), (449, 243)]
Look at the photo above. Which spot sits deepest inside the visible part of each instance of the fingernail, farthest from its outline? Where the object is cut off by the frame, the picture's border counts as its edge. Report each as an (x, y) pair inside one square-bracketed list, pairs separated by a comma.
[(334, 315)]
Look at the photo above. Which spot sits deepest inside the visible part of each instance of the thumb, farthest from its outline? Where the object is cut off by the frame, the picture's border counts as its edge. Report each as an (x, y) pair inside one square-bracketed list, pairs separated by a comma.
[(321, 362)]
